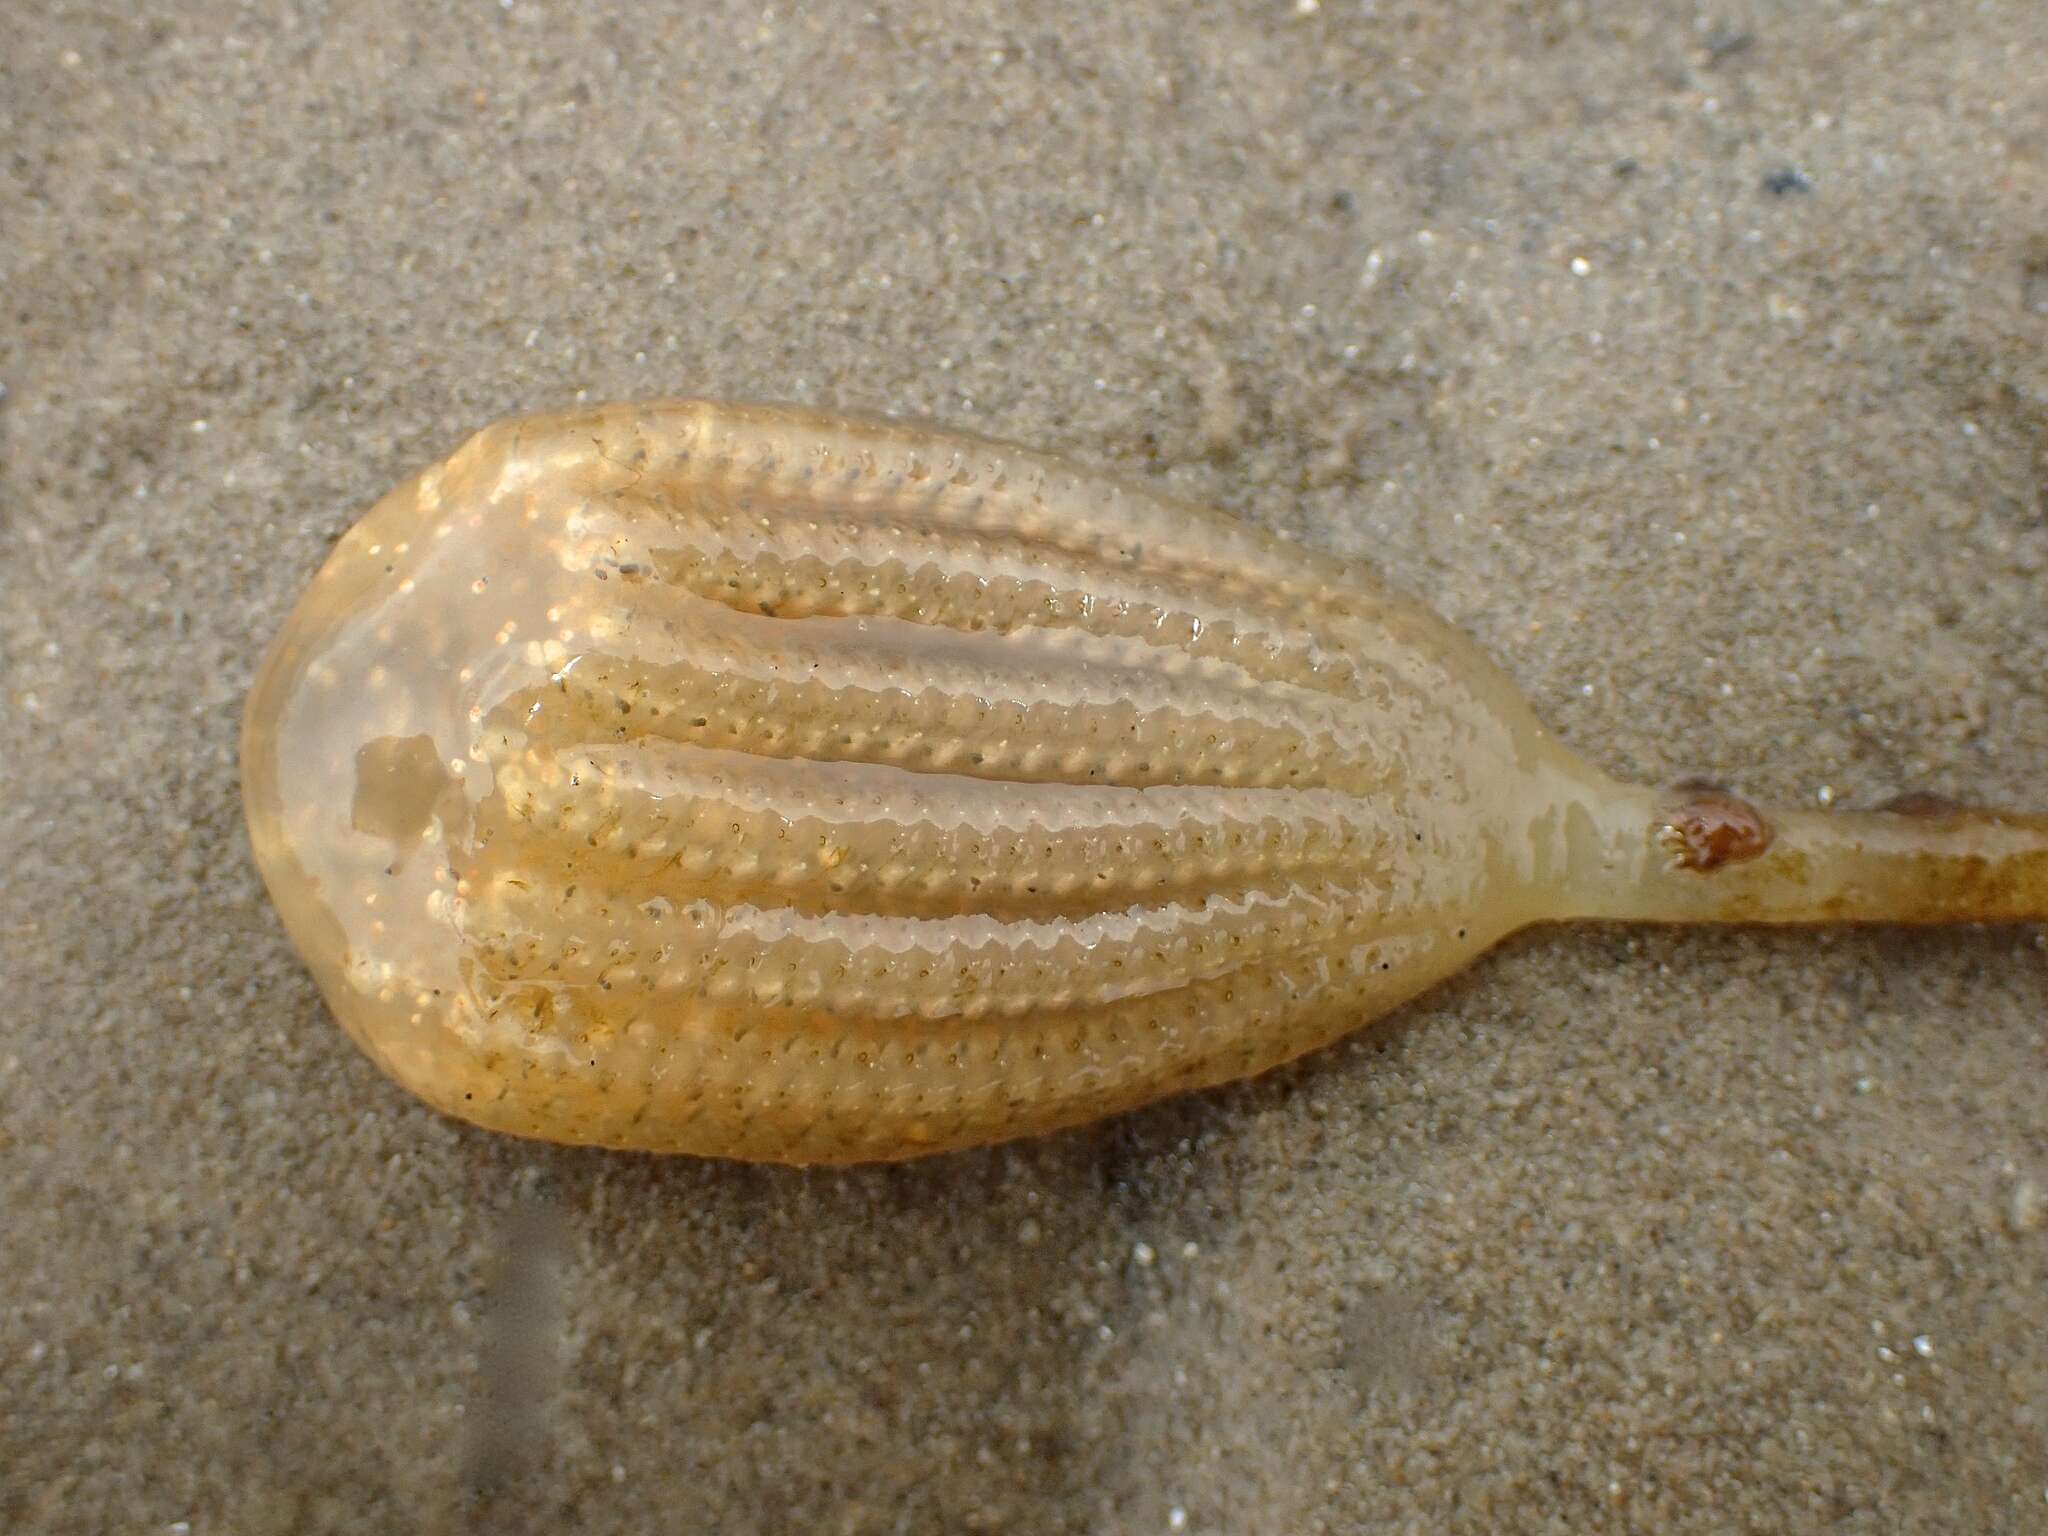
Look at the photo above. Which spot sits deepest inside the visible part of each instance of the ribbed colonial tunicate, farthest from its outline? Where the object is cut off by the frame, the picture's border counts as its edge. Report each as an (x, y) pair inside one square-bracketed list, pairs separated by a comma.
[(754, 782)]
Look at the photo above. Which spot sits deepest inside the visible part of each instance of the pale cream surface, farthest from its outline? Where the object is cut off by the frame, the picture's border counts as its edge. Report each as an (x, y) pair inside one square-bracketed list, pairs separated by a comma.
[(743, 781)]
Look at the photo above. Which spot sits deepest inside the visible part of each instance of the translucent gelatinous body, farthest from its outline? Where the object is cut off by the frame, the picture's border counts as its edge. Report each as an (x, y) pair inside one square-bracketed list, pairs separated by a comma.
[(751, 782)]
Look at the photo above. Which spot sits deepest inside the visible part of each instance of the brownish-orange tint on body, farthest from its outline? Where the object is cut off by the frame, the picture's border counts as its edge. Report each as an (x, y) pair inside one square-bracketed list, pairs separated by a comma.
[(768, 784)]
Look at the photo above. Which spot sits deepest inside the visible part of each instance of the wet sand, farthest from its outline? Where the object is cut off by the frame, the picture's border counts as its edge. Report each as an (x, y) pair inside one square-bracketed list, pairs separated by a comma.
[(1696, 362)]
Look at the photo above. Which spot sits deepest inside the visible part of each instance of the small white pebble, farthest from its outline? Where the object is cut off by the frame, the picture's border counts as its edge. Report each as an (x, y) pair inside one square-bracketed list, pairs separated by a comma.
[(1176, 1519), (1923, 1346), (2026, 1211), (1142, 1253), (1581, 266)]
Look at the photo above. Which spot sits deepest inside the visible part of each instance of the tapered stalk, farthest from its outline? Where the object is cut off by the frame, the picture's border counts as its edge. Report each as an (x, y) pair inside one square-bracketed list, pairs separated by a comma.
[(1691, 855)]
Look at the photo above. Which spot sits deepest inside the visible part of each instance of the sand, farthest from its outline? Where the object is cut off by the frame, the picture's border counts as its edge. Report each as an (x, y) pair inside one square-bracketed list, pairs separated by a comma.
[(1697, 361)]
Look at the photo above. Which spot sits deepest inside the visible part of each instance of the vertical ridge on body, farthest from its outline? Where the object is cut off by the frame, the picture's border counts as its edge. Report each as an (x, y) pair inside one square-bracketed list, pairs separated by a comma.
[(758, 558), (858, 837)]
